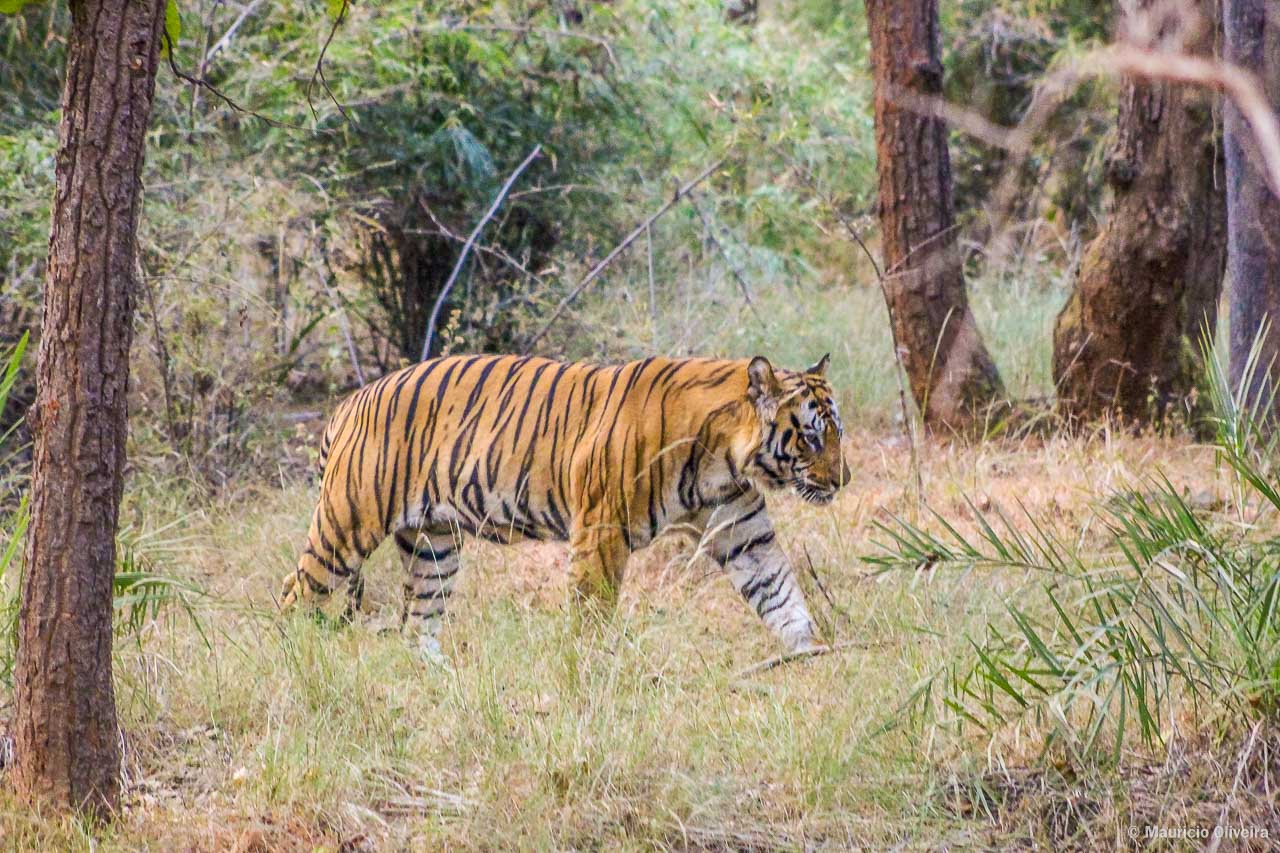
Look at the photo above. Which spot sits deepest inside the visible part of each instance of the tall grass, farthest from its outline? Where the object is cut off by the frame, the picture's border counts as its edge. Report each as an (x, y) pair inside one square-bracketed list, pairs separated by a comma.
[(1174, 611)]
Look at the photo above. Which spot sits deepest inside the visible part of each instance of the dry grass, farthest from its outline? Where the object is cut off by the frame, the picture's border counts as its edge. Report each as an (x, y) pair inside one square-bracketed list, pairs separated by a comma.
[(636, 733)]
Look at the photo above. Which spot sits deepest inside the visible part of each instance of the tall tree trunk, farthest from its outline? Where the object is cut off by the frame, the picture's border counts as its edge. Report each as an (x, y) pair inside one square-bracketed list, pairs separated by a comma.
[(953, 379), (1127, 341), (67, 744), (1253, 210)]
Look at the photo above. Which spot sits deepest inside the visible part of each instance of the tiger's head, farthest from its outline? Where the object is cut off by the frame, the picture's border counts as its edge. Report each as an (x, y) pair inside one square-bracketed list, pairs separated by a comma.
[(800, 431)]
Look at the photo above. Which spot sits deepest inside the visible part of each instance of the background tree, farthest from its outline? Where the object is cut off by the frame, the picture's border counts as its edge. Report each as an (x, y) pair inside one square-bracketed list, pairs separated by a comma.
[(953, 378), (67, 742), (1147, 289), (1253, 210)]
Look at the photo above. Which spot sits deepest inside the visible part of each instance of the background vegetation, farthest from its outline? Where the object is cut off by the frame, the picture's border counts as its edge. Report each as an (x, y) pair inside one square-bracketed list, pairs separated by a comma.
[(1052, 638)]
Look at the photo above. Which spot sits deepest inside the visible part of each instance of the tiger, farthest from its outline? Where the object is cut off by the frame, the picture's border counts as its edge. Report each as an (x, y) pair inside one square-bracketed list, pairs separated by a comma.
[(605, 457)]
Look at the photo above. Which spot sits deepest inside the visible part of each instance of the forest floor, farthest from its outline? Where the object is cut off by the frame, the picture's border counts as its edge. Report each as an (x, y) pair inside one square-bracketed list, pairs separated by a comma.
[(256, 733)]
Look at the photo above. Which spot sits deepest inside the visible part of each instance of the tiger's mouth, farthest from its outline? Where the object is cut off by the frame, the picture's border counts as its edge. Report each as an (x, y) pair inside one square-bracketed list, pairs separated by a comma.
[(815, 494)]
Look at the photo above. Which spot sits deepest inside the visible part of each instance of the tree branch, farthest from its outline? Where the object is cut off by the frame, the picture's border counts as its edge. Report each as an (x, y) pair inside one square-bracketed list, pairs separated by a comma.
[(737, 274), (618, 250), (231, 31), (466, 249), (319, 69), (202, 83)]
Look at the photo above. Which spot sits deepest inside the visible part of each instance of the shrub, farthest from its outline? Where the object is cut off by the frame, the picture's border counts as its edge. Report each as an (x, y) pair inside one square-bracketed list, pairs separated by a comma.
[(1180, 608)]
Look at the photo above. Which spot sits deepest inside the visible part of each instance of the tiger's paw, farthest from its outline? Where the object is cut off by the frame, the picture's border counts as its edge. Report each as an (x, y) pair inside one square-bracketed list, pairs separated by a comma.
[(809, 647), (430, 653), (289, 591), (804, 642)]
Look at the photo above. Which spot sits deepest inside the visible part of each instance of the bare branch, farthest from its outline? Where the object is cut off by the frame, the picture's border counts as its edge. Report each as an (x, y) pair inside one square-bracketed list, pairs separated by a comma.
[(466, 249), (733, 269), (789, 657), (1232, 80), (225, 40), (618, 250), (202, 83), (318, 73)]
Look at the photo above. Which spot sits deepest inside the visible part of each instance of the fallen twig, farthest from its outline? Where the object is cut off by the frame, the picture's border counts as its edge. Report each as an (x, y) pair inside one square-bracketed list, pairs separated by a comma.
[(434, 801), (466, 249), (730, 838), (618, 250), (788, 657), (412, 799)]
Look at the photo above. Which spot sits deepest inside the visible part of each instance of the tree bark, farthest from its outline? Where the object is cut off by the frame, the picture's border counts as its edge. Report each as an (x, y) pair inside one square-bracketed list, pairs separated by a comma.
[(1253, 210), (1128, 340), (67, 743), (953, 378)]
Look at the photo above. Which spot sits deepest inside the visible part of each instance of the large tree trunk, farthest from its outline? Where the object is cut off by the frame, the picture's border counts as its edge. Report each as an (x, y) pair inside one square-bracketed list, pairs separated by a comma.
[(1127, 341), (953, 379), (1253, 210), (67, 743)]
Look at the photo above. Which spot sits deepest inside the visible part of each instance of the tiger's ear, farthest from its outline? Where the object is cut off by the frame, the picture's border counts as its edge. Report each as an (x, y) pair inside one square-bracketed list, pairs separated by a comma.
[(820, 369), (762, 385)]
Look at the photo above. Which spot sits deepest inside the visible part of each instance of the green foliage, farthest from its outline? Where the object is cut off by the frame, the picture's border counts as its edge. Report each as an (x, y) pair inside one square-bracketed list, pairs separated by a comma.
[(1181, 606), (9, 374), (422, 163), (141, 595), (13, 7), (282, 262), (172, 29)]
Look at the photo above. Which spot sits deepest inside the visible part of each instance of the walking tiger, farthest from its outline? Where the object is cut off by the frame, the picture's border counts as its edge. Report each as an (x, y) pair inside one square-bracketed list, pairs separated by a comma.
[(605, 457)]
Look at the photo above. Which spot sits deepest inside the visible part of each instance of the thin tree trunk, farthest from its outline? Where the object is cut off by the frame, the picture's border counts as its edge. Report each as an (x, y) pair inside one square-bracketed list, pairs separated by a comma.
[(67, 743), (1253, 211), (953, 378), (1127, 341)]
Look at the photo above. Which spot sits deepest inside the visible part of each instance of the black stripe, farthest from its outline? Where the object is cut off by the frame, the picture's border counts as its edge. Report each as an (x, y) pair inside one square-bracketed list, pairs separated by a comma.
[(316, 586), (743, 547), (776, 606), (427, 553), (333, 567), (759, 583), (436, 576)]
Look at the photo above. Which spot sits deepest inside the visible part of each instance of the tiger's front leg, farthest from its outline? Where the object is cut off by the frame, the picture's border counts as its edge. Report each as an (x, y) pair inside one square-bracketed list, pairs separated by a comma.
[(740, 537)]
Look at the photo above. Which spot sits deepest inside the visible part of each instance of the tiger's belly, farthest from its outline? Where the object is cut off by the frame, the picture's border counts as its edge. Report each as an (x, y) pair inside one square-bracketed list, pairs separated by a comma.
[(502, 528), (504, 513)]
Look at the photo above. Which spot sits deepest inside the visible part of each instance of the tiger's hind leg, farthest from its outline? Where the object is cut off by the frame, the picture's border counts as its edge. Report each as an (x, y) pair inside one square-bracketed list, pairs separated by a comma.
[(355, 596), (431, 563)]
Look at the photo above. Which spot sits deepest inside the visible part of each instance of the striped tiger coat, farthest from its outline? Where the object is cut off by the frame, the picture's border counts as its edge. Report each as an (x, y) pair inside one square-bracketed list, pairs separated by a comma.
[(605, 457)]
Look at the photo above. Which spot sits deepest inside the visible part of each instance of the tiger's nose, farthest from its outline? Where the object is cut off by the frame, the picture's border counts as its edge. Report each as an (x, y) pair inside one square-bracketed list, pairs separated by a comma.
[(846, 476)]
